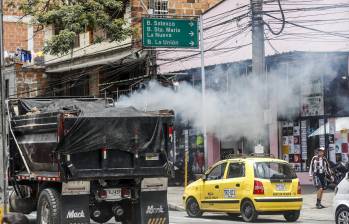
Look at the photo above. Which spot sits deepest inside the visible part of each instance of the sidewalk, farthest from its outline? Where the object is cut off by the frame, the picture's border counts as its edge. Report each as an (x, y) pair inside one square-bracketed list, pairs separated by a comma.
[(174, 197)]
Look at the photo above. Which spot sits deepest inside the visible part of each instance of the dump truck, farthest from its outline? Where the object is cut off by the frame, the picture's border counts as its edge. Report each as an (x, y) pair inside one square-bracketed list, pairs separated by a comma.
[(79, 159)]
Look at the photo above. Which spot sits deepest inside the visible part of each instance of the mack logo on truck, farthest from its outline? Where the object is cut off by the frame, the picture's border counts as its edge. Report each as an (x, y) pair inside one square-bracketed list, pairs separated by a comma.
[(72, 214), (154, 210)]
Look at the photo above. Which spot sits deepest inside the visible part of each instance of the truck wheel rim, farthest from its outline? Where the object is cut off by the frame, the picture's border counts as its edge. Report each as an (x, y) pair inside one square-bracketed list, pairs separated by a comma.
[(45, 211), (343, 217)]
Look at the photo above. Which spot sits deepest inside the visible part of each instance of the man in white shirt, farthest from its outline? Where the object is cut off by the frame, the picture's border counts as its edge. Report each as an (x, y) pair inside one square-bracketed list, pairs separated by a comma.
[(319, 169)]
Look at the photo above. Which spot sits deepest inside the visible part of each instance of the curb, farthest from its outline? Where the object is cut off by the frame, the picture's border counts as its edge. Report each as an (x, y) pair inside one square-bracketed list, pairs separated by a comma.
[(173, 207)]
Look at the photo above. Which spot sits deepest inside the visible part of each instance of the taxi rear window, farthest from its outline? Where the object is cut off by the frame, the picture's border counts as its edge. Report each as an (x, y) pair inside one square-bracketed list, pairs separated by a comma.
[(274, 170)]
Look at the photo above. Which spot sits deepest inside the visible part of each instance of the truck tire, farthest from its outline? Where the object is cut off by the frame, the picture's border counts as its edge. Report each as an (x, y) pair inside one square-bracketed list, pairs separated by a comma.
[(22, 205), (105, 212), (49, 207), (129, 215)]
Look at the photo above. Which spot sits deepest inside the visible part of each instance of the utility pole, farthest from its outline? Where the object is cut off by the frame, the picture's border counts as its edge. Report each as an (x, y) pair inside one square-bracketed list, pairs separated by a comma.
[(3, 136), (152, 64), (258, 53), (203, 89), (258, 61)]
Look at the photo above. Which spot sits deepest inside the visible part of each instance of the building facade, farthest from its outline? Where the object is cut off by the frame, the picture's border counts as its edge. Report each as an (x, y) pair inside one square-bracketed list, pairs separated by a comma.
[(23, 43), (113, 68), (314, 114)]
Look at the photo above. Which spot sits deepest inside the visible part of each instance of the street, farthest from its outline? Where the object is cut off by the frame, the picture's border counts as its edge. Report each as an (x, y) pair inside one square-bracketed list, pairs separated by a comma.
[(309, 214), (177, 217), (306, 217)]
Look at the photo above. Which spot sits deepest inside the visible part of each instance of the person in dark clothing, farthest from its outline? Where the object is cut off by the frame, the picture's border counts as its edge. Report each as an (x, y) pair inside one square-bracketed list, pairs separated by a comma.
[(319, 170), (15, 218)]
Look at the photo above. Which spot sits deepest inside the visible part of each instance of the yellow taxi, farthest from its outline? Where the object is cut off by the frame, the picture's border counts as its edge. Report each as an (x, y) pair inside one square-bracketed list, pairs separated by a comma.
[(246, 186)]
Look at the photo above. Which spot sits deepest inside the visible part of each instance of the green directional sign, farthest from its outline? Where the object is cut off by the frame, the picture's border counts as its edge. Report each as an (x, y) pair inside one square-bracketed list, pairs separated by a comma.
[(172, 33)]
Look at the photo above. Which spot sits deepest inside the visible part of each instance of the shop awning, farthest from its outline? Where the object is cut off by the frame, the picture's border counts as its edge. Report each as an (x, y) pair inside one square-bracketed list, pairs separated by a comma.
[(341, 124), (97, 54)]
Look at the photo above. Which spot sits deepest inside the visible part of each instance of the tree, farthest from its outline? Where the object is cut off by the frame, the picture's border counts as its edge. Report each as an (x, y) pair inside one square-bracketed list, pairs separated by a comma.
[(71, 17)]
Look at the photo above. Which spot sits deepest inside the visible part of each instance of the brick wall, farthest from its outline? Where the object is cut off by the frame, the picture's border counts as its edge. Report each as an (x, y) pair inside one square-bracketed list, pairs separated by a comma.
[(30, 82), (16, 31), (38, 39), (94, 81), (190, 7), (15, 36)]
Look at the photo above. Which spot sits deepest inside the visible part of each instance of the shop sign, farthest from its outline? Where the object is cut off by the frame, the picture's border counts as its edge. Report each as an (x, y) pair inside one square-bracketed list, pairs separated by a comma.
[(259, 149), (312, 103)]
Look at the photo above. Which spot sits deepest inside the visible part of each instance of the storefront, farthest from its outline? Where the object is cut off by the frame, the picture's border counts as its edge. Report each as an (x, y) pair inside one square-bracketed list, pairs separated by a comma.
[(317, 114), (323, 121), (190, 140)]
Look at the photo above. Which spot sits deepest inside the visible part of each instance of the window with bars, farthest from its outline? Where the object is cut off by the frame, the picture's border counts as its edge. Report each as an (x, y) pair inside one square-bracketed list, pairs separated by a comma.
[(158, 7)]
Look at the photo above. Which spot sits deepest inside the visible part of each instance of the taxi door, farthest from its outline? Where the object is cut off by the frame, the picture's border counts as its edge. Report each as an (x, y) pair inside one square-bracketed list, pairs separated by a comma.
[(211, 190), (232, 188)]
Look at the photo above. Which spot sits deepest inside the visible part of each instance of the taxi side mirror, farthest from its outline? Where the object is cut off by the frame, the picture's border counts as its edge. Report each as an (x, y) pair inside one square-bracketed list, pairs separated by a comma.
[(204, 177), (347, 175)]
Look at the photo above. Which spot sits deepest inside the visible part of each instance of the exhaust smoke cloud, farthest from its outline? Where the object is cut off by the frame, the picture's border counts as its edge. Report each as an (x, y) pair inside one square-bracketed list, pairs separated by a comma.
[(237, 105)]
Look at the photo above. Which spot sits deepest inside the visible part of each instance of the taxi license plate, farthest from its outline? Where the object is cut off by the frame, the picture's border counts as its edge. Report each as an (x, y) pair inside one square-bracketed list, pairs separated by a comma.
[(280, 187), (113, 194)]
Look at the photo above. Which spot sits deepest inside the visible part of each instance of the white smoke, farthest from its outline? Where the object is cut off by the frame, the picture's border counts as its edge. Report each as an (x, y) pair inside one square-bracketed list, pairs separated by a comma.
[(236, 107)]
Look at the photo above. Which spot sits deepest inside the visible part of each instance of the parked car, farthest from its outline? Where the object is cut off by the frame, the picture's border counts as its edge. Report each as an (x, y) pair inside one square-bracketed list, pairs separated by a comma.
[(341, 201), (248, 186)]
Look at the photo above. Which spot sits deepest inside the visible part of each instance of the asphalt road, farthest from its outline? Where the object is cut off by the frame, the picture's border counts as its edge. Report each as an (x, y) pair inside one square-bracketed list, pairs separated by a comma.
[(177, 217), (181, 218)]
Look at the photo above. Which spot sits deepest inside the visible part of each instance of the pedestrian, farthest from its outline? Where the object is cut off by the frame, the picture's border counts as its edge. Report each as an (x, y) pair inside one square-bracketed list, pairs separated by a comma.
[(15, 218), (320, 170)]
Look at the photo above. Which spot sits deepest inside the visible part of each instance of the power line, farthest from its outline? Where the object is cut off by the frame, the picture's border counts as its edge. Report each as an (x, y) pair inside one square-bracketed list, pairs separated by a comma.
[(283, 22), (309, 28), (223, 14)]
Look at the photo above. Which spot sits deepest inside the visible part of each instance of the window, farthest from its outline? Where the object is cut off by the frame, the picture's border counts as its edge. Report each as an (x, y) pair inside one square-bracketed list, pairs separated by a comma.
[(159, 7), (274, 170), (236, 170), (217, 172)]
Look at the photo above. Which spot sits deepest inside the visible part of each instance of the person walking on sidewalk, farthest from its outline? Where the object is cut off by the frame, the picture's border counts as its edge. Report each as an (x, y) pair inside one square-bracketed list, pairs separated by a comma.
[(320, 170)]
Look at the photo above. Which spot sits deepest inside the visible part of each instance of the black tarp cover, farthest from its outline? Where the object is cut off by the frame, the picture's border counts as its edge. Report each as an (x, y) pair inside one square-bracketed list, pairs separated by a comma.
[(56, 105), (98, 126)]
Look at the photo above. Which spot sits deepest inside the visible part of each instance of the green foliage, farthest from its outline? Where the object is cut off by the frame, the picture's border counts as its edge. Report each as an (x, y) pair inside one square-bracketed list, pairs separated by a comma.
[(71, 17)]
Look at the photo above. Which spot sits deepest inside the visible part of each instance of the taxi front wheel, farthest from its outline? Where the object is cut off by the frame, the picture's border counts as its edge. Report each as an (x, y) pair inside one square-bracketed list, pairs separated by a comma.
[(292, 216), (193, 208), (248, 211)]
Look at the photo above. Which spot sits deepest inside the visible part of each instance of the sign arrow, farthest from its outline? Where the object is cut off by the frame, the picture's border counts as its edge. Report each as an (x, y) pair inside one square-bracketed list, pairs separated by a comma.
[(191, 43), (191, 24), (191, 33)]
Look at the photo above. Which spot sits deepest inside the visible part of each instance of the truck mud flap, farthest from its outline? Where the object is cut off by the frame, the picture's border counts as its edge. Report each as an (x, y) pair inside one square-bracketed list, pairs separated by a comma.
[(153, 201), (75, 209)]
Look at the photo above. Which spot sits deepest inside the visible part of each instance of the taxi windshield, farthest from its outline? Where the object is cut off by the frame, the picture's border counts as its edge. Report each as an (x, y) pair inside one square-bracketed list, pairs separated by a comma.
[(274, 170)]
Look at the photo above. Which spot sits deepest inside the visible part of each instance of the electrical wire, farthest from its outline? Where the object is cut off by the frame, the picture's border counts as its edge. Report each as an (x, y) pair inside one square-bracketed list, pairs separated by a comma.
[(309, 28), (283, 22)]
